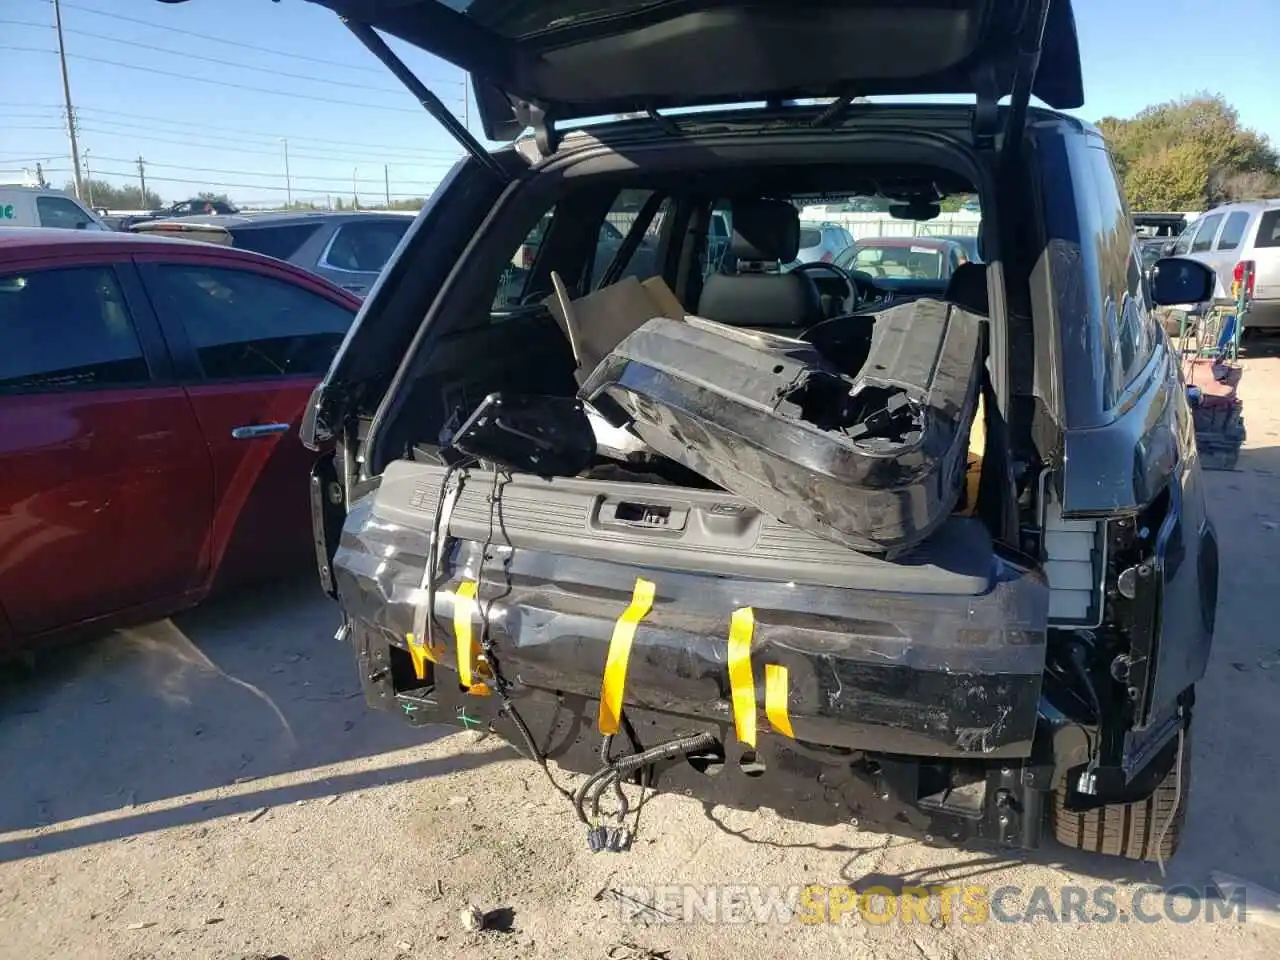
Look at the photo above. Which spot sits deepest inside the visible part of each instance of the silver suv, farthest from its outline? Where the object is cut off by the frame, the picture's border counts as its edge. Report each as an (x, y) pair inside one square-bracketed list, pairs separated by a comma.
[(1232, 235)]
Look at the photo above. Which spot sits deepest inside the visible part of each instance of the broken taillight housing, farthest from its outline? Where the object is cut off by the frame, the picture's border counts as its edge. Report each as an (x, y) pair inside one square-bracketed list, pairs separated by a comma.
[(1244, 273)]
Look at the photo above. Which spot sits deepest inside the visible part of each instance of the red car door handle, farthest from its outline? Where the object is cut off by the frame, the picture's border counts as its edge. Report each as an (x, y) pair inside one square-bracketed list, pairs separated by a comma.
[(254, 431)]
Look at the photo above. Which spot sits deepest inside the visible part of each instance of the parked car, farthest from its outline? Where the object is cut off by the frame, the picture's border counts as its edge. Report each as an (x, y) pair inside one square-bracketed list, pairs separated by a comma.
[(822, 242), (1230, 236), (45, 207), (969, 244), (894, 262), (150, 392), (197, 207), (348, 249), (1153, 224), (676, 547)]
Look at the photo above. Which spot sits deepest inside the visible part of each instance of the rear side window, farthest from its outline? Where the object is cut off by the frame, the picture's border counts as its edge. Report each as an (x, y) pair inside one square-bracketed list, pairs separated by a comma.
[(61, 212), (281, 242), (810, 237), (623, 217), (515, 275), (364, 247), (65, 329), (1204, 236), (244, 325), (1233, 230), (1268, 230)]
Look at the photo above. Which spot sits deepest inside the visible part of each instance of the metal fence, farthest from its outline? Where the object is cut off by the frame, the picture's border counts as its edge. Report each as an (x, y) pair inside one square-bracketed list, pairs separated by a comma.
[(861, 225)]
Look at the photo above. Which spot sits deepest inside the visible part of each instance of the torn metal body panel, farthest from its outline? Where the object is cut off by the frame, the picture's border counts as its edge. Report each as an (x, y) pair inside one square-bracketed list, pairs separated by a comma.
[(874, 461)]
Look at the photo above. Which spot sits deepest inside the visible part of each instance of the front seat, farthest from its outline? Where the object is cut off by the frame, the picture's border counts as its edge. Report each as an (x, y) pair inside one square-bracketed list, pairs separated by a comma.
[(766, 233), (968, 288)]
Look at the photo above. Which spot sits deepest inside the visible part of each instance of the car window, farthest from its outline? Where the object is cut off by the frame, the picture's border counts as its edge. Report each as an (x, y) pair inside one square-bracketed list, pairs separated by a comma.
[(810, 237), (364, 247), (67, 328), (1268, 230), (1204, 236), (1232, 230), (719, 239), (907, 261), (61, 212), (281, 242), (1184, 239), (515, 275), (243, 324), (617, 225)]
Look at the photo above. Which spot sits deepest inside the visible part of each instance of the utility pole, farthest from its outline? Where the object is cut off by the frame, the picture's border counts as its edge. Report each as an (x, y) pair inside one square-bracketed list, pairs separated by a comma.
[(288, 187), (66, 94), (355, 190), (88, 177), (386, 182), (40, 174), (142, 175)]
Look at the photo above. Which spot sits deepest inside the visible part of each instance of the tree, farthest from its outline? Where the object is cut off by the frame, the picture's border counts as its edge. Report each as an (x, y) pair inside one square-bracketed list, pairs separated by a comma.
[(108, 195), (1193, 151), (213, 197), (1172, 178)]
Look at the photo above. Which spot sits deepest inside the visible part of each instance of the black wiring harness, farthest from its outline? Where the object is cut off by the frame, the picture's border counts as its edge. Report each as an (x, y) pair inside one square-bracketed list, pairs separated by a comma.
[(615, 769)]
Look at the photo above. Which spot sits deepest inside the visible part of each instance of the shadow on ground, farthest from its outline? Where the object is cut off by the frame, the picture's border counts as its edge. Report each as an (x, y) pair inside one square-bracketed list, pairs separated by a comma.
[(233, 691)]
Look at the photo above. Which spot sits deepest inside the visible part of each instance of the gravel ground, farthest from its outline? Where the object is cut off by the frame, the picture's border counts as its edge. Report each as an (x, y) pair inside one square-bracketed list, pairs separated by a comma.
[(212, 786)]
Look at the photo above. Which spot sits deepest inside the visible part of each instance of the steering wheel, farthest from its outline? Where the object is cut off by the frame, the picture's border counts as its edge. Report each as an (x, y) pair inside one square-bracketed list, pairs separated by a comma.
[(860, 288)]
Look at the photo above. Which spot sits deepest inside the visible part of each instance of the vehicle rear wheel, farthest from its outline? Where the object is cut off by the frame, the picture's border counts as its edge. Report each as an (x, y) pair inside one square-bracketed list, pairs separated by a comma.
[(1136, 831)]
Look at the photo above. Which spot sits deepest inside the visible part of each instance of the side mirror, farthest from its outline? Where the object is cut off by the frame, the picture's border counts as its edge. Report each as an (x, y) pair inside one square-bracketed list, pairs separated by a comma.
[(1166, 249), (532, 433), (1178, 280)]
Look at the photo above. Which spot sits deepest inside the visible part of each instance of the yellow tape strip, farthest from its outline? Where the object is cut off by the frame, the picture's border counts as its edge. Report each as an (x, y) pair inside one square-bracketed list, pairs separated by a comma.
[(420, 654), (464, 606), (615, 667), (742, 683), (977, 450), (775, 699)]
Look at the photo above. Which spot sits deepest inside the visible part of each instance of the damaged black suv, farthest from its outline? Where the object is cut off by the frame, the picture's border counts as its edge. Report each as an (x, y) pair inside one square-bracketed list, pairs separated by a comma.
[(922, 549)]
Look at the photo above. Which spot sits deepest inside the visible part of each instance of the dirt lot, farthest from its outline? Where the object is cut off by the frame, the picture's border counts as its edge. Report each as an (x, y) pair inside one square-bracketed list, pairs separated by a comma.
[(213, 786)]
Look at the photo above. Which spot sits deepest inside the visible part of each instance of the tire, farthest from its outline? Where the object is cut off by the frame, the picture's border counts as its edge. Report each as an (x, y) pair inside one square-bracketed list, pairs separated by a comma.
[(1129, 830)]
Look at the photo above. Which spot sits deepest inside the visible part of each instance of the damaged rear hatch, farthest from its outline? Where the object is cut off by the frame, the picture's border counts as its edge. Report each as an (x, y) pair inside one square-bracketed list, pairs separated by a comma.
[(937, 649)]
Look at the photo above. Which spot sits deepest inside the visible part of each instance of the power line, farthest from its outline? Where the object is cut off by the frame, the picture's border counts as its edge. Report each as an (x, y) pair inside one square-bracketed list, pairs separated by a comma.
[(247, 186), (239, 44), (370, 157), (216, 83), (271, 138), (187, 55), (253, 173)]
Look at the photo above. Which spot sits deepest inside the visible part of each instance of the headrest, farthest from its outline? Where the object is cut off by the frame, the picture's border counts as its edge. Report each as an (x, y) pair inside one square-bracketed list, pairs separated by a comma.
[(968, 288), (765, 230)]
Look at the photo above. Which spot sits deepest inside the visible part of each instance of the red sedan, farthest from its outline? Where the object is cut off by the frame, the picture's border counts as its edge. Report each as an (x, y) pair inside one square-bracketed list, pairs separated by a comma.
[(150, 391)]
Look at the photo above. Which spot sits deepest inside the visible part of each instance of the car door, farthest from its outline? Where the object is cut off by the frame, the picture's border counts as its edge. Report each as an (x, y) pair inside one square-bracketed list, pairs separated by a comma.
[(359, 250), (250, 340), (105, 482)]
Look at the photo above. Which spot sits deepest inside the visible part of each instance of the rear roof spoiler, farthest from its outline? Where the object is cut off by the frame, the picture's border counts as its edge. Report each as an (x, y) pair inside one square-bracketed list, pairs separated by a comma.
[(206, 232)]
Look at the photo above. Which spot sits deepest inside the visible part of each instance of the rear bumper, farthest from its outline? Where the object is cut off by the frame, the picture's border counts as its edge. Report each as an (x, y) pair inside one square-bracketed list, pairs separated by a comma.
[(893, 699), (1263, 314)]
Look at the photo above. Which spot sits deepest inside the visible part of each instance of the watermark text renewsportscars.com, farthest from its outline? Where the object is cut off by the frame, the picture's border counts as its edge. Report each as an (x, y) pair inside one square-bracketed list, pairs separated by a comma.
[(961, 903)]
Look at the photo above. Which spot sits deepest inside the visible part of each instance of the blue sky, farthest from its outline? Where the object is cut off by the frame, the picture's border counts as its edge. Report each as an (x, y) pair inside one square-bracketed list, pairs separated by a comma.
[(205, 90)]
